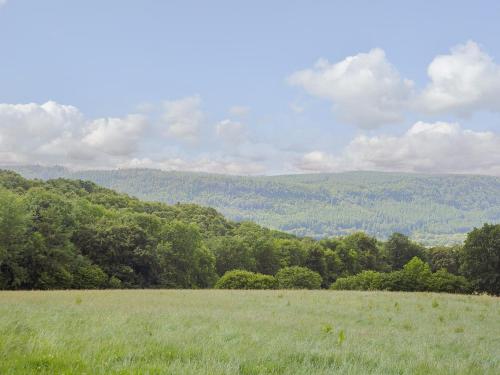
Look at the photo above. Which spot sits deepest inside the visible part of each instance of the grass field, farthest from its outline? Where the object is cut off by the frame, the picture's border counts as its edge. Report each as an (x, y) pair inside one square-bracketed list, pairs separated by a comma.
[(247, 332)]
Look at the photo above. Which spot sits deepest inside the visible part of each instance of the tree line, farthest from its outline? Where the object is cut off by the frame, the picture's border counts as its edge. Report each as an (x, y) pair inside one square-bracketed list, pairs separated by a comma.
[(432, 209), (61, 233)]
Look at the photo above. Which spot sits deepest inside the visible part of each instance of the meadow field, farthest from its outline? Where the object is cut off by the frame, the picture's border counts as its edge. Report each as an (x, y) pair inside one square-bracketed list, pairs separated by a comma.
[(247, 332)]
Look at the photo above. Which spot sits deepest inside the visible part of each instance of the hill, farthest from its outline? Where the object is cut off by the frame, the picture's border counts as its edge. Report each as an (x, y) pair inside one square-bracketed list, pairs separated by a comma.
[(61, 233), (432, 209)]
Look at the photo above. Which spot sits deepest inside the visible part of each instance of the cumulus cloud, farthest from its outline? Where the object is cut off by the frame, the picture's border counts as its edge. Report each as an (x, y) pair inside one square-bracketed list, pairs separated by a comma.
[(365, 89), (57, 134), (116, 136), (183, 118), (463, 81), (53, 133), (230, 131), (25, 129), (438, 147)]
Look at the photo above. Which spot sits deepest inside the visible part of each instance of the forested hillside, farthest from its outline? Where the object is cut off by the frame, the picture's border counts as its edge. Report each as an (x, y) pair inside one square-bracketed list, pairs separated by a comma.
[(65, 233), (432, 209)]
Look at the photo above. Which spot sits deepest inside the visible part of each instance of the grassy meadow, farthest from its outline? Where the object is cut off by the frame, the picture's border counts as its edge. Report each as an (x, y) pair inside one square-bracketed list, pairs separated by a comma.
[(247, 332)]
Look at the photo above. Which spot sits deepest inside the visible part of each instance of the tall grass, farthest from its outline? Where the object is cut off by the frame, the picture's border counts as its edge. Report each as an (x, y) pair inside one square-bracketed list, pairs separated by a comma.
[(247, 332)]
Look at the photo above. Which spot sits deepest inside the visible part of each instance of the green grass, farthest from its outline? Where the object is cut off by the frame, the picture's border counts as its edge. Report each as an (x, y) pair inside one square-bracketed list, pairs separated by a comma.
[(248, 332)]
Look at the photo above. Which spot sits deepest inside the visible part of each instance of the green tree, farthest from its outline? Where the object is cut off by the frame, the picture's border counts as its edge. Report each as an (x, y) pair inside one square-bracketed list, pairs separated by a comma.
[(400, 250), (481, 259), (266, 256), (315, 259), (232, 253), (291, 252), (49, 256), (13, 241), (366, 250), (444, 257), (183, 256)]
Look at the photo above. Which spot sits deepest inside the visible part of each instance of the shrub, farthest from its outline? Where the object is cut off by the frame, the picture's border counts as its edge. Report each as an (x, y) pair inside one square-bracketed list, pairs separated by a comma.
[(89, 276), (114, 282), (298, 278), (415, 276), (239, 279), (443, 281), (366, 280), (59, 278)]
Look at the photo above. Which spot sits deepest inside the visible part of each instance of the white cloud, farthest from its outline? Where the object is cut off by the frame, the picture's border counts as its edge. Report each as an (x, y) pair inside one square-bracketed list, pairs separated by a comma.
[(231, 131), (239, 110), (183, 118), (426, 147), (464, 81), (365, 89), (116, 136), (207, 163), (25, 128), (53, 133), (319, 161)]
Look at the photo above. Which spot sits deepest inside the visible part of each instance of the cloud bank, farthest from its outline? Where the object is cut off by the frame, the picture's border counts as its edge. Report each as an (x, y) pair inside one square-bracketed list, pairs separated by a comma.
[(53, 133), (425, 147), (365, 90), (56, 133)]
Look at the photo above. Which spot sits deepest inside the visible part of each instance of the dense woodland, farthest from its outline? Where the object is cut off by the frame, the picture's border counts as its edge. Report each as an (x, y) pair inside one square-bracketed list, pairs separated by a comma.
[(62, 233), (431, 209)]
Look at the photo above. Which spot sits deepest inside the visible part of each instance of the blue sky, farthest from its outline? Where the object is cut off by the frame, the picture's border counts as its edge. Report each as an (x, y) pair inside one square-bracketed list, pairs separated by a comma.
[(235, 87)]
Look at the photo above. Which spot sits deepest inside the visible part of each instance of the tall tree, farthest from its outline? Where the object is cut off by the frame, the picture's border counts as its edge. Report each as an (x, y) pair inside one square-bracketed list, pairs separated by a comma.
[(400, 250), (13, 241), (481, 258)]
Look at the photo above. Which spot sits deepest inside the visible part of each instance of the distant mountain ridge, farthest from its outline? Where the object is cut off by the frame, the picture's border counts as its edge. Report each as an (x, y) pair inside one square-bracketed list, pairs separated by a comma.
[(433, 209)]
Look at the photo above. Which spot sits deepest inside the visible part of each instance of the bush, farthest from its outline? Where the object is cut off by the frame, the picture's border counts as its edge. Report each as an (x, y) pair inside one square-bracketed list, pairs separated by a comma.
[(59, 278), (414, 277), (443, 281), (366, 280), (89, 276), (239, 279), (114, 282), (298, 278)]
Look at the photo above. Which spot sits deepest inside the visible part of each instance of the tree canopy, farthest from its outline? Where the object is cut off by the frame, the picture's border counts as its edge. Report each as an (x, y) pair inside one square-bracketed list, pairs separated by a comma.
[(63, 233)]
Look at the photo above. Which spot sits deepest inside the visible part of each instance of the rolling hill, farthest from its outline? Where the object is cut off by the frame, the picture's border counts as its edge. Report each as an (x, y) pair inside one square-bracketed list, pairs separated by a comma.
[(433, 209)]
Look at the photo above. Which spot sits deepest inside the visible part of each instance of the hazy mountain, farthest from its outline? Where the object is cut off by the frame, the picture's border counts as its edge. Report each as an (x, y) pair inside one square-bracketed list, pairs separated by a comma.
[(430, 208)]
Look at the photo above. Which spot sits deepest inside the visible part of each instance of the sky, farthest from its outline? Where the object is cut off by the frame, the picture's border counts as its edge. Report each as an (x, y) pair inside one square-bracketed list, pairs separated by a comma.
[(251, 88)]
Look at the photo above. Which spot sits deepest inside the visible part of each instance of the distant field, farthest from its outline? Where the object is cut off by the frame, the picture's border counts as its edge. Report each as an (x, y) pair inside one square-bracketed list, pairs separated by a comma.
[(247, 332)]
